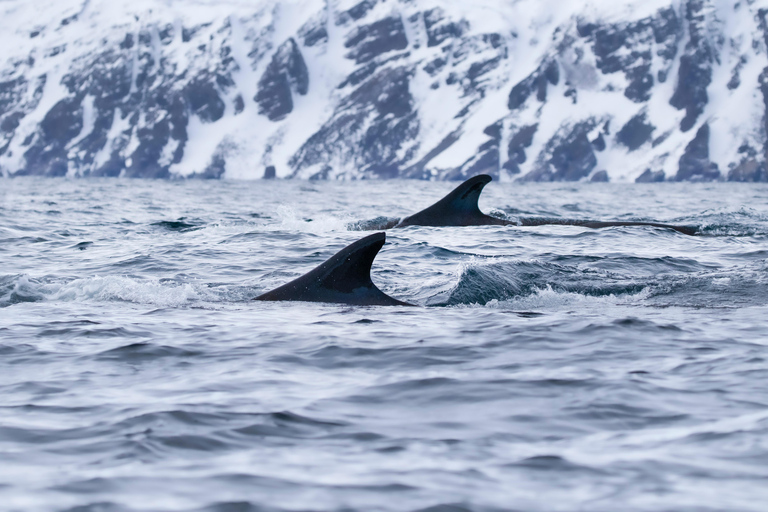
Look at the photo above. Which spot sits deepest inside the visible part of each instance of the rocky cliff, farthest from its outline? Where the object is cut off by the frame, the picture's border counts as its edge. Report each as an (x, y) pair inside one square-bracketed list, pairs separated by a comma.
[(533, 90)]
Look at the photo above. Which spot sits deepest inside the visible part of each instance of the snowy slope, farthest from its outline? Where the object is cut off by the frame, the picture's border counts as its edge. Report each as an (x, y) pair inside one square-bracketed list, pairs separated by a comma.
[(534, 90)]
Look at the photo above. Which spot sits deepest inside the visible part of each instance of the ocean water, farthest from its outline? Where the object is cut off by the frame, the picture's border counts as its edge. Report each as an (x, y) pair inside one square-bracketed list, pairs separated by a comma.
[(549, 368)]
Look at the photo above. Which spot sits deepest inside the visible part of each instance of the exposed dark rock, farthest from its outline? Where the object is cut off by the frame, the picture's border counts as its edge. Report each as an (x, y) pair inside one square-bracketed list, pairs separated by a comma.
[(360, 75), (650, 176), (762, 15), (691, 91), (636, 132), (56, 50), (640, 82), (270, 173), (585, 29), (226, 61), (127, 43), (47, 154), (203, 99), (166, 34), (626, 47), (69, 19), (695, 72), (573, 157), (435, 66), (600, 177), (322, 174), (215, 169), (144, 162), (381, 161), (11, 97), (464, 111), (607, 41), (495, 40), (187, 33), (572, 93), (566, 157), (599, 142), (108, 79), (286, 72), (763, 81), (239, 104), (355, 13), (477, 69), (485, 161), (695, 165), (439, 28), (749, 170), (364, 72), (112, 167), (666, 33), (483, 50), (320, 35), (521, 139), (374, 124), (165, 122), (547, 72), (11, 93), (735, 80), (10, 122), (314, 33), (493, 130), (383, 139), (552, 72), (661, 138), (370, 41), (393, 97)]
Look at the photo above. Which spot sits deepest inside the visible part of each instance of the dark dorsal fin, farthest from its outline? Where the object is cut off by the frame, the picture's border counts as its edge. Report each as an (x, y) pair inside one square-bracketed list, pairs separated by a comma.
[(459, 208), (344, 278)]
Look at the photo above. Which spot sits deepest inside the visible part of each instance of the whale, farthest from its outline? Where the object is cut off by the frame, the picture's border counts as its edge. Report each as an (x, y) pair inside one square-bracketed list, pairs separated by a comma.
[(344, 278), (460, 208)]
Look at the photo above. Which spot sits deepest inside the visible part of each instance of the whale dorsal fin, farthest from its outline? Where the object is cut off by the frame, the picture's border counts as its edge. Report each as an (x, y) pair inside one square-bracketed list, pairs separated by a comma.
[(458, 208), (344, 278)]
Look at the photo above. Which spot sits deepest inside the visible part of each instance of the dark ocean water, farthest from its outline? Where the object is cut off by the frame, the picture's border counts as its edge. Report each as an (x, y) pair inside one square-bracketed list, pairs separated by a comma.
[(551, 368)]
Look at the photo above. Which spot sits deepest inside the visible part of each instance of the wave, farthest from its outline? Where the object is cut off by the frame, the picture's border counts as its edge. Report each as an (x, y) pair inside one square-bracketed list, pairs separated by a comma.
[(743, 222), (376, 224), (15, 289), (491, 282), (481, 283), (290, 218)]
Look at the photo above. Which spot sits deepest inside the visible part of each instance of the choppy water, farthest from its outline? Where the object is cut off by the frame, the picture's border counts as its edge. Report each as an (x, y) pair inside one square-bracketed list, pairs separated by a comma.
[(551, 368)]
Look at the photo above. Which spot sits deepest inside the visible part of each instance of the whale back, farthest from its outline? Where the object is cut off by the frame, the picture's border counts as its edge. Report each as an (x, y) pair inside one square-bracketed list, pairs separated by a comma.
[(344, 278), (458, 208)]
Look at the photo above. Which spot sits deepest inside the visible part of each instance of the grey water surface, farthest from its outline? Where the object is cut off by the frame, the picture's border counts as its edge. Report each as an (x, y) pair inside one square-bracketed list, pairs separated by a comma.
[(550, 368)]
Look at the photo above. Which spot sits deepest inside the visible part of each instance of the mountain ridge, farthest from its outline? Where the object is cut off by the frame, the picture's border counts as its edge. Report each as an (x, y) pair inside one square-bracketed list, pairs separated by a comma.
[(530, 90)]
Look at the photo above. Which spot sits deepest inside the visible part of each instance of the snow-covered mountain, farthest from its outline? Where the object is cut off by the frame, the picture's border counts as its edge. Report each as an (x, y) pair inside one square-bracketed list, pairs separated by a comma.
[(540, 90)]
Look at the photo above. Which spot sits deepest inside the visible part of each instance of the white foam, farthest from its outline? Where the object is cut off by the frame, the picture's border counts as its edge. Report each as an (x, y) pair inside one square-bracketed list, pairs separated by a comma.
[(112, 288), (291, 218)]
